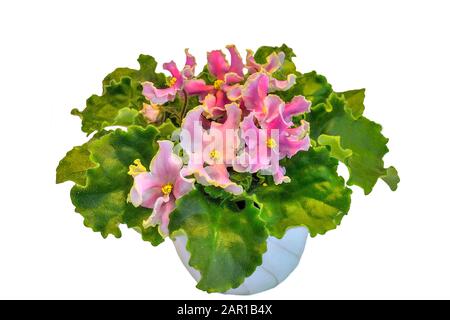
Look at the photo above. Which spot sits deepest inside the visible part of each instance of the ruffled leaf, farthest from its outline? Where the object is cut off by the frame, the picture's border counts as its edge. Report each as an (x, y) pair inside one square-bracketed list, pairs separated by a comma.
[(226, 243), (118, 106), (217, 193), (338, 123), (288, 66), (74, 166), (243, 179), (355, 101), (263, 52), (206, 75), (146, 72), (391, 178), (316, 197), (103, 200), (362, 136), (334, 142), (311, 85), (166, 129)]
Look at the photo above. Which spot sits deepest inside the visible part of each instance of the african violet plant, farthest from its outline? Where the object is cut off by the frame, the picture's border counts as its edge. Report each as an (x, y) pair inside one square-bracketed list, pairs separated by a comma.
[(228, 157)]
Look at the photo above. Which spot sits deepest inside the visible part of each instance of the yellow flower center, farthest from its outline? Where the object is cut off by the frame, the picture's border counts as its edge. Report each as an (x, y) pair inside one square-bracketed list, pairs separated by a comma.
[(155, 106), (271, 143), (171, 81), (264, 109), (136, 169), (214, 154), (218, 84), (166, 189)]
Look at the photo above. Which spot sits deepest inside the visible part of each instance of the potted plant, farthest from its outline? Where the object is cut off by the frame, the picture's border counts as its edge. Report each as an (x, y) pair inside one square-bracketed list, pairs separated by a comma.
[(236, 164)]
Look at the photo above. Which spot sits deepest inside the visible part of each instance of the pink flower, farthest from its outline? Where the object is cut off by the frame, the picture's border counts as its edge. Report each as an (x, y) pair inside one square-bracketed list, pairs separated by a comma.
[(159, 188), (277, 115), (261, 153), (273, 62), (256, 99), (226, 87), (151, 112), (212, 147), (269, 136), (254, 91), (212, 109), (175, 83), (219, 67)]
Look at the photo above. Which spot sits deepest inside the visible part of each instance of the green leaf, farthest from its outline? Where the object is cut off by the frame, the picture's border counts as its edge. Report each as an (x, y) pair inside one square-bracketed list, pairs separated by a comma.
[(316, 197), (334, 142), (103, 200), (146, 72), (74, 165), (288, 66), (391, 178), (362, 136), (244, 179), (113, 107), (128, 117), (166, 129), (217, 193), (226, 243), (311, 85), (338, 123), (263, 52), (355, 101), (205, 75), (151, 235)]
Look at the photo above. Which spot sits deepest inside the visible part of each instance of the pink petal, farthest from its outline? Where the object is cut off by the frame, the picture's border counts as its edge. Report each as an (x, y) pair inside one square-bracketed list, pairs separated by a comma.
[(274, 62), (182, 185), (211, 108), (290, 146), (297, 106), (223, 137), (254, 91), (250, 131), (190, 59), (165, 164), (146, 189), (232, 78), (279, 175), (221, 99), (251, 64), (160, 216), (197, 86), (172, 68), (256, 155), (191, 135), (282, 85), (273, 107), (273, 117), (158, 96), (217, 64), (218, 176), (233, 92), (233, 118), (151, 112), (294, 140), (189, 67), (236, 61)]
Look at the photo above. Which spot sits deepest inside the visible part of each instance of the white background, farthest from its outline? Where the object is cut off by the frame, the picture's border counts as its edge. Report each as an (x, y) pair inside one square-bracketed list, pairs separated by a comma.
[(54, 55)]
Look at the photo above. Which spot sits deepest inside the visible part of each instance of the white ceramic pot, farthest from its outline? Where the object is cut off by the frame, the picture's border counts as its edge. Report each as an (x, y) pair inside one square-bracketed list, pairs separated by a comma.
[(280, 259)]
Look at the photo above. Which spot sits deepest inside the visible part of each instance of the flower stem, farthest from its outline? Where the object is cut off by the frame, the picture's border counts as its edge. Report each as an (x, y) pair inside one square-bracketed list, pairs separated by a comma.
[(184, 109)]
